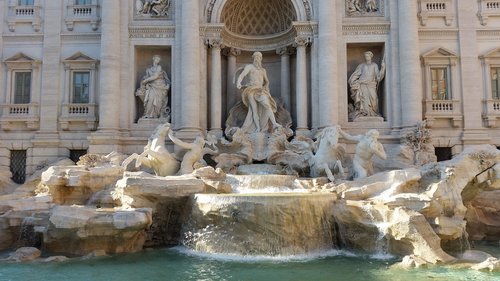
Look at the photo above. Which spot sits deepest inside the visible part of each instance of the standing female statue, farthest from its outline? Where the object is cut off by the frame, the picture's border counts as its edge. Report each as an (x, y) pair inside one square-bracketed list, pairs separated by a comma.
[(153, 91), (364, 87)]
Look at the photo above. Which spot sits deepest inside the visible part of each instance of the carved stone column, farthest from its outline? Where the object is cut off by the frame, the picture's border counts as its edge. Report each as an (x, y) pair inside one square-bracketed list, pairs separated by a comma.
[(215, 87), (285, 53), (327, 64), (190, 68), (301, 43), (231, 93), (109, 88), (409, 63)]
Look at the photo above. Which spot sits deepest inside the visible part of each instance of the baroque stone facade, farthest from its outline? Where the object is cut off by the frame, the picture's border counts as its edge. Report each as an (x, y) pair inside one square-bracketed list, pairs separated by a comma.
[(70, 69)]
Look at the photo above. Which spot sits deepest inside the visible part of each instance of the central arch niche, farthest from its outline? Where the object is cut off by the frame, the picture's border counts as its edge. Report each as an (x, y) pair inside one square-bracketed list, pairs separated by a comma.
[(269, 26), (258, 17)]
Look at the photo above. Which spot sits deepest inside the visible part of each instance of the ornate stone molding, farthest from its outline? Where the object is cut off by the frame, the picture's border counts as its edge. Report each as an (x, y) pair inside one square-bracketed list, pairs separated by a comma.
[(366, 29), (151, 31), (258, 43)]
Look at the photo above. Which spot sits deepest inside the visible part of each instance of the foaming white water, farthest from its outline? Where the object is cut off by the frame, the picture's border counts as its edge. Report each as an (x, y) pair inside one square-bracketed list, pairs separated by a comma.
[(382, 256), (250, 259)]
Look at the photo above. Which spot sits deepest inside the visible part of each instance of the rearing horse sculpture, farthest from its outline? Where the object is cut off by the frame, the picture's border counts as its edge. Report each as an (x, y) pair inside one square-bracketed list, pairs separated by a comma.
[(326, 160), (155, 155)]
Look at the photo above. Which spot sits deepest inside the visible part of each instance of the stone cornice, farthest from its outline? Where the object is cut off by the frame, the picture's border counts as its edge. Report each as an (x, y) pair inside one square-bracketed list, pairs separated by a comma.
[(81, 37), (151, 31), (32, 38), (429, 34), (488, 34), (366, 29)]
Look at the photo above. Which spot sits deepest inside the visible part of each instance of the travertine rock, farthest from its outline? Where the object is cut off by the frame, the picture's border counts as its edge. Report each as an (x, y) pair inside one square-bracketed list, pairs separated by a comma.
[(139, 189), (76, 184), (413, 211), (483, 216), (166, 196), (75, 230), (24, 254), (490, 264)]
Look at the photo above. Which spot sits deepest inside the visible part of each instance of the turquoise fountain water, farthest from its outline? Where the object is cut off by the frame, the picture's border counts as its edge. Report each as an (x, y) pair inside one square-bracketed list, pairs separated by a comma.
[(180, 264)]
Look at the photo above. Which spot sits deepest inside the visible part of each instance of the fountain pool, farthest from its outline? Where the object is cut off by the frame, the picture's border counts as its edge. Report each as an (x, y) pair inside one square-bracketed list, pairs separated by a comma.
[(181, 264)]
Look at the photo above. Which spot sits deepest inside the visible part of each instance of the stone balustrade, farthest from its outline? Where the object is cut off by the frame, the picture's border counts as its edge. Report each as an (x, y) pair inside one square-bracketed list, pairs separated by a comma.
[(19, 115), (491, 112), (83, 13), (74, 113), (435, 8), (487, 9), (443, 109), (24, 14)]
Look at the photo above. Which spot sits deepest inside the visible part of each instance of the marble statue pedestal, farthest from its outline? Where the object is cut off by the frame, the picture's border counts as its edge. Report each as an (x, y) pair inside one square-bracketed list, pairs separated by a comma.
[(151, 122), (369, 119), (259, 145)]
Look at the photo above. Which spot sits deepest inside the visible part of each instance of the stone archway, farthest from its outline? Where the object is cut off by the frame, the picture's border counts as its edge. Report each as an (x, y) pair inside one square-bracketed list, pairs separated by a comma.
[(258, 17), (282, 30), (214, 9)]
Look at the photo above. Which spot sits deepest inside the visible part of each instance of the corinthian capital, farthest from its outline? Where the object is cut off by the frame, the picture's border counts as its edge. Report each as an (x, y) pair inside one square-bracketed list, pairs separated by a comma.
[(215, 43), (302, 41), (285, 51), (231, 52)]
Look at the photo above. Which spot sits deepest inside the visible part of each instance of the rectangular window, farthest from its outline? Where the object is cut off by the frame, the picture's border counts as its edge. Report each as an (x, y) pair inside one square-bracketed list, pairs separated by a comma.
[(81, 86), (22, 88), (495, 83), (18, 165), (439, 84), (26, 2), (83, 2)]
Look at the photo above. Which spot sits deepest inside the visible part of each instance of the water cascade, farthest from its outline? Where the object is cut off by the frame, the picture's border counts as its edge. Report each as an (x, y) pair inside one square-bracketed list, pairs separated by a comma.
[(280, 223)]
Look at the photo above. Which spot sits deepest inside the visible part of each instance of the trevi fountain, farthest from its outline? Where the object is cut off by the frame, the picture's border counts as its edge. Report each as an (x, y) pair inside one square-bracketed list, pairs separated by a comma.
[(258, 200), (260, 193)]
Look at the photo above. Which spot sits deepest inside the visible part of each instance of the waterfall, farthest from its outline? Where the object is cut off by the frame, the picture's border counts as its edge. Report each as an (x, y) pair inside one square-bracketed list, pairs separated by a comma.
[(28, 236), (280, 224)]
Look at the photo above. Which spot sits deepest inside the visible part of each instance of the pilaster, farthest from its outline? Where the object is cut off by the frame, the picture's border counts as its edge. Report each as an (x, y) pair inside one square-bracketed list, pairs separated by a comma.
[(409, 64), (46, 140), (285, 53), (215, 87), (189, 122), (301, 43), (470, 76), (107, 137), (327, 66), (231, 93)]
